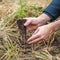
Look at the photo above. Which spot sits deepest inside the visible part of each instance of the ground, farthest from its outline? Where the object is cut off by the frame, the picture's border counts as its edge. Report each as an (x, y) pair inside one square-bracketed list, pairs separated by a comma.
[(8, 31)]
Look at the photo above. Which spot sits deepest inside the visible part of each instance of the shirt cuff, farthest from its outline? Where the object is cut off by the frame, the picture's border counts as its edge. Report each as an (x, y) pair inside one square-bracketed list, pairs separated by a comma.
[(52, 11)]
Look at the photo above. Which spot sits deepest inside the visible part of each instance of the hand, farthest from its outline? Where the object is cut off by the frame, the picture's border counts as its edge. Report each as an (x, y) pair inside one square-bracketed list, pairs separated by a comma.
[(33, 23), (41, 34)]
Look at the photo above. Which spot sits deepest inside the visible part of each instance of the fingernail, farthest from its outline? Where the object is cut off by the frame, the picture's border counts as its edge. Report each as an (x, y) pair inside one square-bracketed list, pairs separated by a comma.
[(28, 42)]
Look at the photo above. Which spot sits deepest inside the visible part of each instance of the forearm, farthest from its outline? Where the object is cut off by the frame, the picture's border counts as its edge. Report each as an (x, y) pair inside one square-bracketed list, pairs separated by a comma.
[(45, 18), (55, 25)]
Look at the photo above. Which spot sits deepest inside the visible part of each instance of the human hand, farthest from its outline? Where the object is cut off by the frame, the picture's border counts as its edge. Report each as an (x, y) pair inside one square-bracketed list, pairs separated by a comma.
[(41, 34), (33, 23)]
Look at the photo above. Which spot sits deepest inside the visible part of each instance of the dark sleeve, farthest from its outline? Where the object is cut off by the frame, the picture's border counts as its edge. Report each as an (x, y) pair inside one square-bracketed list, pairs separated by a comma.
[(53, 10)]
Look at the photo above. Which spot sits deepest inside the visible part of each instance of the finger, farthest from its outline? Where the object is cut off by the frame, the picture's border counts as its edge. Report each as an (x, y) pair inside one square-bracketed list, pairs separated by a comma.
[(27, 22), (35, 41), (40, 39), (34, 27), (31, 28), (33, 37)]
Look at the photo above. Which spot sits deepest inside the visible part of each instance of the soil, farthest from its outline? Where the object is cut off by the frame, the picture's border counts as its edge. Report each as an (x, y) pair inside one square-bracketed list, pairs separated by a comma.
[(26, 54)]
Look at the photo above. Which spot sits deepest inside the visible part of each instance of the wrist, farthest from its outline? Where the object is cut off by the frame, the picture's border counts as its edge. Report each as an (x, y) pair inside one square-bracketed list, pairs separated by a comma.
[(45, 18), (55, 26), (52, 27)]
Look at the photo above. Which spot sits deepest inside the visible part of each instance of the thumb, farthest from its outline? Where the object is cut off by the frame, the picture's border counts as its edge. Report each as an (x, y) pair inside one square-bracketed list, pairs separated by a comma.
[(27, 22)]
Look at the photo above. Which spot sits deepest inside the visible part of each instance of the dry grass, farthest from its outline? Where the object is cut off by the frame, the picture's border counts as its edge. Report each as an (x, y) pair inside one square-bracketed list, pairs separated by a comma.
[(9, 36)]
